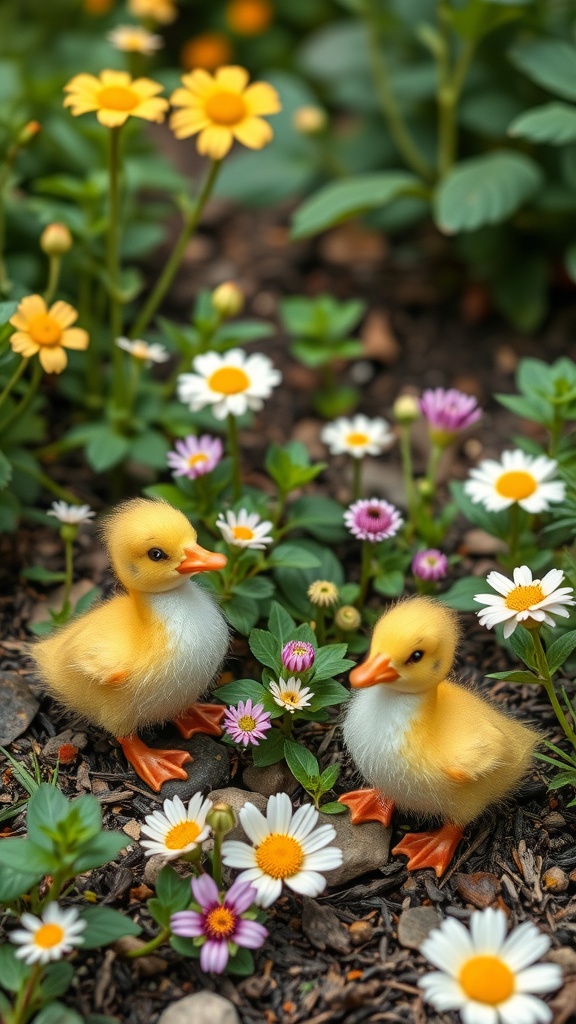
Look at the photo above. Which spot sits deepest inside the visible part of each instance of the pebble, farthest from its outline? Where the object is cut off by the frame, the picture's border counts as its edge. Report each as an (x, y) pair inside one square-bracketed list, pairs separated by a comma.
[(554, 821), (361, 932), (236, 798), (152, 868), (18, 707), (415, 923), (565, 957), (365, 847), (67, 738), (378, 340), (322, 926), (555, 880), (478, 542), (275, 778), (201, 1008), (479, 888), (145, 966), (208, 769)]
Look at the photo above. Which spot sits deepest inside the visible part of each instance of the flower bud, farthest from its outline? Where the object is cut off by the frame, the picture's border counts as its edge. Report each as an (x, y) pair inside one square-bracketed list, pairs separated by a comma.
[(56, 240), (27, 133), (298, 655), (406, 409), (228, 299), (425, 488), (347, 618), (221, 818), (310, 120), (69, 531)]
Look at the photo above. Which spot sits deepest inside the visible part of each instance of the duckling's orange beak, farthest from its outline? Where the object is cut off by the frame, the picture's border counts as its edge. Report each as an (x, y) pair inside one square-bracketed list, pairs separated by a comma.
[(374, 670), (198, 559)]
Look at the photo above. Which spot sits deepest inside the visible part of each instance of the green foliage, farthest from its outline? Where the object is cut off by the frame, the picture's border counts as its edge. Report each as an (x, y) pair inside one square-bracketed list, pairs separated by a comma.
[(485, 190), (343, 200)]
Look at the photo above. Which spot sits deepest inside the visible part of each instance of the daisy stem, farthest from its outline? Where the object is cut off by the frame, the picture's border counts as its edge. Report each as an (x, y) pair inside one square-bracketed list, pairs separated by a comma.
[(149, 947), (544, 671), (320, 629), (113, 262), (25, 401), (69, 571), (356, 478), (433, 466), (22, 1009), (167, 276), (53, 277), (217, 858), (408, 472), (365, 573), (234, 451), (14, 379)]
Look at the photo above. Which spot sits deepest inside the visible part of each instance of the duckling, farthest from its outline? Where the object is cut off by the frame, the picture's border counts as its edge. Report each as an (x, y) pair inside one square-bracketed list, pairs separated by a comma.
[(144, 656), (422, 741)]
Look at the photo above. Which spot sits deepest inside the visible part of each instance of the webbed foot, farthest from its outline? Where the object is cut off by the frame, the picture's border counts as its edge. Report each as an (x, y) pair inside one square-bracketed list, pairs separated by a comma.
[(433, 849), (368, 805), (152, 765), (204, 718)]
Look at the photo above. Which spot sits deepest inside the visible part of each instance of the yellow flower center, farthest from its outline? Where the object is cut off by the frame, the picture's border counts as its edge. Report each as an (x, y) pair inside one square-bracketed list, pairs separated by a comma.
[(118, 97), (220, 923), (243, 532), (516, 484), (194, 460), (522, 598), (356, 439), (140, 350), (181, 834), (246, 723), (48, 936), (225, 108), (487, 980), (279, 856), (229, 380), (44, 329), (290, 697)]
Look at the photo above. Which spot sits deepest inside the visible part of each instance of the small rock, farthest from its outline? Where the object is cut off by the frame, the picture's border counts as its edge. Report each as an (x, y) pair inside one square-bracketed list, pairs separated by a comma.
[(201, 1008), (52, 751), (365, 847), (378, 340), (275, 778), (237, 798), (554, 821), (322, 926), (152, 868), (555, 880), (18, 707), (415, 923), (478, 542), (565, 957), (479, 888), (146, 966), (361, 932), (352, 243), (132, 828), (208, 769)]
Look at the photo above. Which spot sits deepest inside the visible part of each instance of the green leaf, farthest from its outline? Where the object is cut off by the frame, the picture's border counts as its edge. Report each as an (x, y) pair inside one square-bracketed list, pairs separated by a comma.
[(106, 449), (302, 764), (102, 848), (172, 894), (269, 750), (38, 574), (150, 449), (14, 884), (328, 777), (185, 947), (241, 689), (242, 613), (554, 123), (5, 470), (332, 807), (560, 650), (18, 853), (523, 647), (280, 623), (292, 555), (330, 661), (242, 964), (319, 516), (548, 62), (105, 925), (521, 294), (7, 309), (57, 1013), (257, 587), (389, 584), (342, 200), (13, 972), (328, 693), (266, 648), (485, 190), (56, 980), (47, 807), (515, 677), (460, 595)]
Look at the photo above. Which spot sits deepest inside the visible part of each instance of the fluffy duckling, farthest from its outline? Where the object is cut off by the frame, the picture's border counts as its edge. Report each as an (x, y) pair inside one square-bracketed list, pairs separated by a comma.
[(146, 655), (424, 742)]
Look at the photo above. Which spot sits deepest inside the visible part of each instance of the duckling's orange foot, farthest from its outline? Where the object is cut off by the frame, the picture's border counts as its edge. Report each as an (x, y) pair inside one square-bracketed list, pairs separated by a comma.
[(154, 766), (430, 849), (368, 805), (205, 718)]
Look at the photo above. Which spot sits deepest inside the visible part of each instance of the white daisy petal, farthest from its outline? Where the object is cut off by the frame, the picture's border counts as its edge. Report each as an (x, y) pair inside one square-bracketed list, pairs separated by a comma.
[(524, 598), (254, 823), (488, 930), (478, 1013), (307, 883), (525, 1009), (524, 945), (177, 829), (539, 978), (230, 382)]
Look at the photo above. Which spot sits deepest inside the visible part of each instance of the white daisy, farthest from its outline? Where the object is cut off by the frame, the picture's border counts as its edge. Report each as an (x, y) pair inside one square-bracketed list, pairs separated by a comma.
[(177, 830), (290, 694), (135, 39), (287, 848), (524, 600), (357, 437), (520, 478), (245, 529), (71, 514), (231, 383), (486, 976), (142, 350), (49, 937)]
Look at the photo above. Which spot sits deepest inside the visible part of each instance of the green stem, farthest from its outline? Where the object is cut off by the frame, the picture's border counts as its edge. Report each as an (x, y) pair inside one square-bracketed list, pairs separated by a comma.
[(135, 371), (365, 573), (23, 404), (22, 1008), (234, 451), (149, 947), (217, 858), (167, 276), (5, 169), (408, 473), (436, 453), (450, 84), (113, 263), (356, 478), (555, 434), (69, 572), (14, 379), (320, 621), (54, 267), (386, 98), (514, 535), (543, 669)]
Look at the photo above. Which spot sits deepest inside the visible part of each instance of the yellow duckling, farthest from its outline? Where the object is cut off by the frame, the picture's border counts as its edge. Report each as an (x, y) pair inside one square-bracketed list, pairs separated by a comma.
[(424, 742), (147, 655)]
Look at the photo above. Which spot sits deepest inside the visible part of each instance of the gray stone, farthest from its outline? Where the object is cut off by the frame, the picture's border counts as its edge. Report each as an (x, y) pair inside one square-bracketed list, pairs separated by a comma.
[(275, 778), (415, 924), (152, 868), (51, 749), (208, 769), (365, 847), (201, 1008), (18, 707), (323, 928), (237, 798)]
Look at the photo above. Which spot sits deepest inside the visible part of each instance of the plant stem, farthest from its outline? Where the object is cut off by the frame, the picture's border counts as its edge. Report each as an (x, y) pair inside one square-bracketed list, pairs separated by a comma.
[(167, 276), (408, 473), (356, 478), (234, 452), (386, 98), (365, 573), (113, 263), (53, 277), (149, 947), (450, 83), (21, 1012), (514, 535), (217, 858), (433, 465), (14, 379), (25, 401), (69, 571), (543, 669)]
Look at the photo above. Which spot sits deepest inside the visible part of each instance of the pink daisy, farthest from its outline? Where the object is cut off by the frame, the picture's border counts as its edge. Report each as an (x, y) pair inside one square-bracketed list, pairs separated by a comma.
[(373, 519), (195, 456), (247, 723)]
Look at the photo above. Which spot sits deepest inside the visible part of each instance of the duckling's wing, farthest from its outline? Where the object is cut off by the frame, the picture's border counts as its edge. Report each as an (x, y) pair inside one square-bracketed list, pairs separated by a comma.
[(473, 756)]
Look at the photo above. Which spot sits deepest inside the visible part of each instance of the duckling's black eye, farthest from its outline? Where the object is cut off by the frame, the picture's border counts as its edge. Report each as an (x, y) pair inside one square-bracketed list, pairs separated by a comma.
[(415, 657), (156, 554)]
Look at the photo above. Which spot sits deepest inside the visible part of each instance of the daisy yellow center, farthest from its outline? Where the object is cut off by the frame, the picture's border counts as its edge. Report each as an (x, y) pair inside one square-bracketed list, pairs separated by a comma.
[(290, 697), (246, 723), (516, 484), (487, 980), (140, 350), (44, 329), (181, 834), (118, 97), (195, 460), (225, 108), (279, 856), (242, 532), (355, 440), (48, 936), (229, 380), (220, 923), (522, 598)]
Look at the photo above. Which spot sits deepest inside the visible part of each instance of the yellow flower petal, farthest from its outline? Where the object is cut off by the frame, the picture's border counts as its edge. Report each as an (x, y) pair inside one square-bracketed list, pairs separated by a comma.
[(185, 98), (215, 142), (233, 78), (82, 82), (121, 78), (152, 110), (63, 313), (199, 82), (23, 344), (145, 87), (254, 133), (112, 118), (31, 305), (187, 122), (76, 338), (53, 360), (261, 98)]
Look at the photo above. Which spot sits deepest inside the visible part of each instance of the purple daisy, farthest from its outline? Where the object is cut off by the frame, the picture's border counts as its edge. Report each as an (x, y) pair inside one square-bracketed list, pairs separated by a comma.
[(195, 456), (430, 565), (448, 411), (247, 723), (298, 655), (219, 921), (373, 519)]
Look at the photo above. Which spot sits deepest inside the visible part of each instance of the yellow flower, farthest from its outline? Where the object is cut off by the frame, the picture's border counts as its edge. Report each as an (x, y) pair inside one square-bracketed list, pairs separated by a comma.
[(249, 17), (162, 11), (46, 331), (323, 593), (222, 108), (209, 50), (115, 96)]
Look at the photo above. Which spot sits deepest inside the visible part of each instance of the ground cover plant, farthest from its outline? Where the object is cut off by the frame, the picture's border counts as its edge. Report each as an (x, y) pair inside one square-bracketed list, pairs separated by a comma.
[(151, 347)]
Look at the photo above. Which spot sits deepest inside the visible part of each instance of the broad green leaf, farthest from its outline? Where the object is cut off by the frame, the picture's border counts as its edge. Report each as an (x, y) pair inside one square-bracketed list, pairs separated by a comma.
[(102, 848), (327, 694), (7, 309), (344, 199), (38, 574), (242, 964), (321, 517), (515, 677), (150, 448), (172, 894), (329, 777), (57, 1013), (292, 555), (548, 62), (389, 584), (184, 947), (280, 623), (56, 980), (13, 971), (106, 449), (265, 647), (269, 750), (554, 123), (560, 650), (14, 884), (460, 595), (302, 763), (106, 925), (330, 661), (5, 470), (522, 645), (332, 807), (241, 689), (46, 808), (242, 613), (23, 853), (485, 190), (257, 587)]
